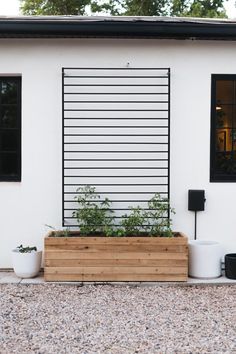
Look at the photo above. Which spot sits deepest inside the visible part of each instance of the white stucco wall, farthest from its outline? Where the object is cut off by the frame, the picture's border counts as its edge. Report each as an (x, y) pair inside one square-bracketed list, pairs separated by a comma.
[(27, 206)]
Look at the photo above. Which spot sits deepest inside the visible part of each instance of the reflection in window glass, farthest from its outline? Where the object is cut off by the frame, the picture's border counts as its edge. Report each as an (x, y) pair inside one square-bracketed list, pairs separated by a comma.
[(9, 116), (8, 92)]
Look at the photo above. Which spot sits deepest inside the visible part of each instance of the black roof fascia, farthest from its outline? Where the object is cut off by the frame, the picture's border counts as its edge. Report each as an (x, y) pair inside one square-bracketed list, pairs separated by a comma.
[(12, 28)]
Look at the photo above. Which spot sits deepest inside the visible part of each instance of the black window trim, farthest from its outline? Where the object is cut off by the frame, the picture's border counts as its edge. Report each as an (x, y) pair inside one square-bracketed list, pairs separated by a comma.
[(16, 177), (214, 177)]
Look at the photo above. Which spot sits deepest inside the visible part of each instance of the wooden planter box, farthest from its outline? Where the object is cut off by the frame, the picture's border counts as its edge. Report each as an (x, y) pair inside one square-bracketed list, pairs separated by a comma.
[(116, 258)]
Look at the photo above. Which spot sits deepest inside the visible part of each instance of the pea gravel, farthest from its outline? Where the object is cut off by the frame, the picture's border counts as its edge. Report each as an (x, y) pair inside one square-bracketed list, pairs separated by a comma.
[(93, 319)]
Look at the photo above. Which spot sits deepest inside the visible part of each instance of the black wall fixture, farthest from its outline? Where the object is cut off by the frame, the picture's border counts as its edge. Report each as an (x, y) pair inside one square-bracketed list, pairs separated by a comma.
[(196, 202)]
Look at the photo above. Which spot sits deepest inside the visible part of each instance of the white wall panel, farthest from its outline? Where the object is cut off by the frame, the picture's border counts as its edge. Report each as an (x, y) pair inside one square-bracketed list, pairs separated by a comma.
[(26, 207)]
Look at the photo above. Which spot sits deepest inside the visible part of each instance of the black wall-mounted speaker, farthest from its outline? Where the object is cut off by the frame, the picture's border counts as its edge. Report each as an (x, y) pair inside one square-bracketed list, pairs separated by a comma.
[(196, 199)]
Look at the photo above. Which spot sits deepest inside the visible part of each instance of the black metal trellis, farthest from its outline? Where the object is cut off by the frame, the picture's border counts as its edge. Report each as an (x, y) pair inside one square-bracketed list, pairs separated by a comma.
[(115, 135)]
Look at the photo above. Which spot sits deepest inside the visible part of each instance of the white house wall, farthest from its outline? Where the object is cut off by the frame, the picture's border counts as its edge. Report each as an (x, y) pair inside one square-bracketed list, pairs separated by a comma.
[(26, 206)]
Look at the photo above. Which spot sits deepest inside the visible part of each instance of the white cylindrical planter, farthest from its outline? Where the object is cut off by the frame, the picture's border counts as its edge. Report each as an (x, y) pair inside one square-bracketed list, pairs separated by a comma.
[(204, 259), (26, 265)]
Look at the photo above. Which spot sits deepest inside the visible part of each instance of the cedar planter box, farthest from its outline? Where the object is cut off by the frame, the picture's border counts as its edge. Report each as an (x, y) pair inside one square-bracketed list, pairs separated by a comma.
[(116, 258)]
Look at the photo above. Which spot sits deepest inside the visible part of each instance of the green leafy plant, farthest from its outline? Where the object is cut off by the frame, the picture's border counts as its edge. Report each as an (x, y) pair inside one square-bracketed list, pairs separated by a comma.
[(93, 215), (134, 223), (113, 231), (159, 223), (27, 249)]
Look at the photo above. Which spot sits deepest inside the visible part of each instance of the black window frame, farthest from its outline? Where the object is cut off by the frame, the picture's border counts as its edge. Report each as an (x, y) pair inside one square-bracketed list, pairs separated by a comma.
[(16, 177), (214, 176)]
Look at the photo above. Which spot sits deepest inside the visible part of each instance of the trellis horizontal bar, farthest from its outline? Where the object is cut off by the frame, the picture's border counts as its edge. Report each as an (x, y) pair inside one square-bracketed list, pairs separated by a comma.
[(112, 69), (129, 135), (153, 192), (114, 143), (120, 118), (114, 77), (115, 217), (76, 225), (108, 102), (116, 126), (115, 110), (119, 152), (112, 201), (118, 209), (118, 184), (105, 176), (115, 159), (115, 93), (112, 85), (115, 168)]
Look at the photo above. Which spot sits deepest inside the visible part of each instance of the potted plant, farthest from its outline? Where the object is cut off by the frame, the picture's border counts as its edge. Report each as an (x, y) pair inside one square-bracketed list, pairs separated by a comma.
[(141, 248), (26, 261)]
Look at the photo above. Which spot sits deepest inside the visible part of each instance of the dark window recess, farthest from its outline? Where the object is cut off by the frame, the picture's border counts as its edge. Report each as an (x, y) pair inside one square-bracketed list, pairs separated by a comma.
[(10, 128)]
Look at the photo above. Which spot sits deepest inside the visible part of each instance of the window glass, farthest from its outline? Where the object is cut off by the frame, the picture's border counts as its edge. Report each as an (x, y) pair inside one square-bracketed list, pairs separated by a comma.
[(9, 164), (10, 128), (9, 92), (9, 116), (224, 91), (9, 140), (223, 128)]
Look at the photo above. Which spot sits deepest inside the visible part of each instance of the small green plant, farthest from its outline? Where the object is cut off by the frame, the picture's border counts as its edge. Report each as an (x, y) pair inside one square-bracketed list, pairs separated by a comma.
[(93, 215), (27, 249), (159, 224), (134, 223)]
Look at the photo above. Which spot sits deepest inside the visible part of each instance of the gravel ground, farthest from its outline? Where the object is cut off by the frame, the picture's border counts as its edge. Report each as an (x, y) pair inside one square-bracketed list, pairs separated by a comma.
[(95, 319)]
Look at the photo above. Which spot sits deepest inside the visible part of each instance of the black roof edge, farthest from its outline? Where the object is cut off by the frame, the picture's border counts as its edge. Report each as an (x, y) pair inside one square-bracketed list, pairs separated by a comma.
[(175, 28)]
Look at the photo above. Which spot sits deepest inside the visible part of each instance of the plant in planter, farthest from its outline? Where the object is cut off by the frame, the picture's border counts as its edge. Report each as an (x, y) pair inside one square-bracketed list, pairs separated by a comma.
[(94, 217), (26, 261), (158, 214), (142, 247)]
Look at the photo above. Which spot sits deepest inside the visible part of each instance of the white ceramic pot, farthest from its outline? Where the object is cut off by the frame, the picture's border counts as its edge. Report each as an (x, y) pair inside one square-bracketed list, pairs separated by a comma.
[(204, 259), (26, 265)]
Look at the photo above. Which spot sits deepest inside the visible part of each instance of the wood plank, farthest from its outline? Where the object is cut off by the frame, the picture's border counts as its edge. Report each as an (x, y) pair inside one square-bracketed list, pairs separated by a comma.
[(115, 240), (111, 262), (114, 255), (116, 270), (119, 248), (115, 277)]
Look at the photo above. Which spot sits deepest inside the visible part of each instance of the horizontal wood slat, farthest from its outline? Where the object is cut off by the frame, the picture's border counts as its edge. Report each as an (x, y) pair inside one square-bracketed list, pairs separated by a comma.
[(116, 259), (56, 241), (98, 248), (116, 277), (70, 254), (116, 270)]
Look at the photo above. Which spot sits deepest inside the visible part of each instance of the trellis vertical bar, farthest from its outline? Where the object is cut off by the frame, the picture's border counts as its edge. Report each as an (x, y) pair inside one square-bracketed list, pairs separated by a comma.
[(63, 145), (168, 139)]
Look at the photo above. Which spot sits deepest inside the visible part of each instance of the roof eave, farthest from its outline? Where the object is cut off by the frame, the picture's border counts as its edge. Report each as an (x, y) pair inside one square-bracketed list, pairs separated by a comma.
[(117, 28)]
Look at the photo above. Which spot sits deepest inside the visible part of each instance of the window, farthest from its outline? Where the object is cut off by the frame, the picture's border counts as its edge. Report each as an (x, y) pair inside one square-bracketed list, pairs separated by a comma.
[(223, 128), (10, 128)]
